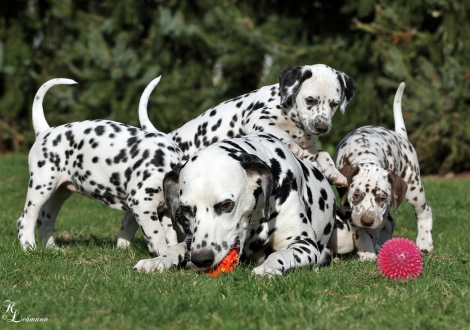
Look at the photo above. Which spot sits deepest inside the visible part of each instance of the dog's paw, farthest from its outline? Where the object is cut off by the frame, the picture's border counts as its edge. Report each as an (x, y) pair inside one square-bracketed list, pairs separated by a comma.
[(366, 256), (266, 271), (425, 246), (158, 264), (334, 177), (123, 243), (55, 248), (296, 150), (340, 180)]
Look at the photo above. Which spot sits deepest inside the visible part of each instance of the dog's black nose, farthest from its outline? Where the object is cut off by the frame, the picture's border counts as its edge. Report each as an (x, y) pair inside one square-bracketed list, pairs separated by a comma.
[(321, 125), (203, 258), (367, 220)]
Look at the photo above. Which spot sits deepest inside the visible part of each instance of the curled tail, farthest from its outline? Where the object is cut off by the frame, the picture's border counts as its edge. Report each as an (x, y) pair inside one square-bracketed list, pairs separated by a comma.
[(397, 114), (39, 121), (145, 123)]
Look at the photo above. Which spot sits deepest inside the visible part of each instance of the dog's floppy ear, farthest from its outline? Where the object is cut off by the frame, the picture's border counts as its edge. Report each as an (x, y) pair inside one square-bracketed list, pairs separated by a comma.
[(349, 171), (290, 80), (348, 89), (398, 187), (259, 174), (171, 190)]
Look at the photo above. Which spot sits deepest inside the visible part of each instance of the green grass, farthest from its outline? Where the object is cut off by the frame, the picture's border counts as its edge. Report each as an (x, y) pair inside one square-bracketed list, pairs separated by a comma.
[(92, 284)]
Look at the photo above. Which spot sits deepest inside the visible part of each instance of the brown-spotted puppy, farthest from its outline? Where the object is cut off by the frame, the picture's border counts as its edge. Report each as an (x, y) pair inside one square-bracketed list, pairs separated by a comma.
[(116, 164), (382, 169), (251, 194)]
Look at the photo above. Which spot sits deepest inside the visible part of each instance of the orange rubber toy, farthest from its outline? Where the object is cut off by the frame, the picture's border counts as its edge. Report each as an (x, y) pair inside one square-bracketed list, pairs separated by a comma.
[(226, 265)]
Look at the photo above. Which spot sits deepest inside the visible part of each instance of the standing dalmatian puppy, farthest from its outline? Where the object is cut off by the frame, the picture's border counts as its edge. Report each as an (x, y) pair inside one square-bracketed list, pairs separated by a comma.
[(118, 165), (297, 110), (382, 169), (251, 194)]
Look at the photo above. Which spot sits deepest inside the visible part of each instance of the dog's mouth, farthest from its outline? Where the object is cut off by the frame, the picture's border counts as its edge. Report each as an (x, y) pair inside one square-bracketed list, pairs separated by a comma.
[(226, 264), (236, 246)]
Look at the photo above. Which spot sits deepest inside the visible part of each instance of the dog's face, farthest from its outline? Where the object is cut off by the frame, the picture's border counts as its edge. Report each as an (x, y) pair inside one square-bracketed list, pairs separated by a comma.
[(217, 194), (372, 191), (316, 92)]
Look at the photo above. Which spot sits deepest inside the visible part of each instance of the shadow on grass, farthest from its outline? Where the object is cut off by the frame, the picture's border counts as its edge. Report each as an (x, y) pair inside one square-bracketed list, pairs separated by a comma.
[(95, 241)]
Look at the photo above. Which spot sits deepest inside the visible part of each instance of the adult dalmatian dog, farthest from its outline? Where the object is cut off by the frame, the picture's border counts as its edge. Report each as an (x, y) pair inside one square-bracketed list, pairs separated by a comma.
[(251, 194), (382, 169), (297, 110), (116, 164)]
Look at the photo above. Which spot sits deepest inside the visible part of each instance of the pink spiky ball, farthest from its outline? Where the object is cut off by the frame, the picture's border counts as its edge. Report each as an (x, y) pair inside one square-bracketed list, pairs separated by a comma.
[(400, 258)]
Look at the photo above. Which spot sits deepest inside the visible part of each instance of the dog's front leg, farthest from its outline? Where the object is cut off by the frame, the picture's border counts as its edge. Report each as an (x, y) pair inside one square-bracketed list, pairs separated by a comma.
[(173, 257), (145, 212), (301, 253), (386, 232), (128, 229), (363, 242), (324, 162)]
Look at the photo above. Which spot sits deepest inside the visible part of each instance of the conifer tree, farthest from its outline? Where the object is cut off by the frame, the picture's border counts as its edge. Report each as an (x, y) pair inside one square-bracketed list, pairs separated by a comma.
[(209, 51)]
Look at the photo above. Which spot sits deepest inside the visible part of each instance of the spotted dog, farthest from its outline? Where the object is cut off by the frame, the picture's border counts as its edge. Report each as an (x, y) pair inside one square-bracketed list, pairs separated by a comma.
[(251, 194), (349, 240), (118, 165), (382, 169), (297, 110)]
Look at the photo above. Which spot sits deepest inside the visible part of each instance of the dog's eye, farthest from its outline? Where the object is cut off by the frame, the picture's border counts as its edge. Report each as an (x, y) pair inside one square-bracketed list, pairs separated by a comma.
[(382, 199), (311, 101), (226, 205), (334, 104), (356, 195)]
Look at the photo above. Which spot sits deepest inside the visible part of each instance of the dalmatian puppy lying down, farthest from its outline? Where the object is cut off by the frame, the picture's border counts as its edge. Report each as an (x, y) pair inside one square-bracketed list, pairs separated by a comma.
[(382, 169), (297, 110), (118, 165), (251, 194)]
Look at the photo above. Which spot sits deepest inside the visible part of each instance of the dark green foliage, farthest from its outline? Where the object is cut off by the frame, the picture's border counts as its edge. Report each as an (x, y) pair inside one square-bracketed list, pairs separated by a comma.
[(210, 51)]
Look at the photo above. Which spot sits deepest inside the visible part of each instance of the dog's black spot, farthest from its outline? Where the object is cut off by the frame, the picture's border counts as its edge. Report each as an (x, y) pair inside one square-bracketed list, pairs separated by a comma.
[(280, 153)]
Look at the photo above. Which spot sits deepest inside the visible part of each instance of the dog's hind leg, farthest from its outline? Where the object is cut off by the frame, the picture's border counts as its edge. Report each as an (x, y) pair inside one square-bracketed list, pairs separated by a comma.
[(423, 212), (37, 196), (48, 215)]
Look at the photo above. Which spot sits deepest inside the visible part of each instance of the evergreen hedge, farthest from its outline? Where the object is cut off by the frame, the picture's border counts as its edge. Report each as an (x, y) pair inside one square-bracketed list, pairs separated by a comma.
[(210, 51)]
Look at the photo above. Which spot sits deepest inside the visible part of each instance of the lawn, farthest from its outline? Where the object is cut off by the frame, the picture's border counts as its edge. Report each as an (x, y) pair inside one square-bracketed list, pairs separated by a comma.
[(92, 285)]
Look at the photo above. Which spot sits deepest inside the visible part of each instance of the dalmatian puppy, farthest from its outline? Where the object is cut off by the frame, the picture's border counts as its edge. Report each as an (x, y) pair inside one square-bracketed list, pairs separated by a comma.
[(297, 110), (251, 194), (118, 165), (382, 169)]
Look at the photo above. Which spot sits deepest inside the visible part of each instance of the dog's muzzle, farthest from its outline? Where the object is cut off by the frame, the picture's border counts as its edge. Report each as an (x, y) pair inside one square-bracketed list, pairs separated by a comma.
[(321, 125), (203, 258), (367, 220)]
